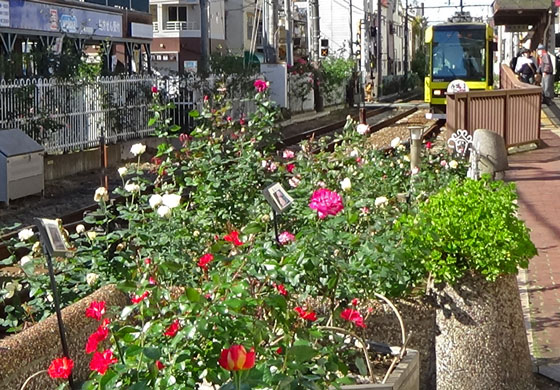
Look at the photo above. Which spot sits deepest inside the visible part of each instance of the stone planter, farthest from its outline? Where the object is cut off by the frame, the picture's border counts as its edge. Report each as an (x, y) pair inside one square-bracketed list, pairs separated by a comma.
[(405, 376), (33, 349)]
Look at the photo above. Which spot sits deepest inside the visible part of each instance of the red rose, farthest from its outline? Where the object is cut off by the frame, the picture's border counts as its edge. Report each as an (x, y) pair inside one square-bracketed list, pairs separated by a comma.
[(172, 329), (353, 316), (205, 260), (355, 302), (236, 358), (279, 350), (233, 237), (281, 289), (98, 336), (290, 167), (154, 89), (428, 145), (260, 85), (306, 315), (159, 365), (137, 299), (61, 368), (96, 310), (147, 261), (101, 361)]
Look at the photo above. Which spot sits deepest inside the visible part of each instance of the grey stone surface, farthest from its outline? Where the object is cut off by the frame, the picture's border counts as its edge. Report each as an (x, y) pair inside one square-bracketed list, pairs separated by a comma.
[(481, 342), (33, 349), (492, 150)]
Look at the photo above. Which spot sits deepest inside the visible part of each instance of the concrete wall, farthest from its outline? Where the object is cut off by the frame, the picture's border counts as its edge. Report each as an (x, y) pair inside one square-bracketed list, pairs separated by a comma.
[(33, 349), (59, 166)]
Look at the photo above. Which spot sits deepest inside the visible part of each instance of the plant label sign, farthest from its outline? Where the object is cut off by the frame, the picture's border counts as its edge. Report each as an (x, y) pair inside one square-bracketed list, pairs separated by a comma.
[(52, 237), (277, 198)]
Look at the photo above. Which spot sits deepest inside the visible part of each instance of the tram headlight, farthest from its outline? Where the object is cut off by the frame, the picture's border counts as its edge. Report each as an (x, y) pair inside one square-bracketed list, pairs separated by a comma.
[(438, 92)]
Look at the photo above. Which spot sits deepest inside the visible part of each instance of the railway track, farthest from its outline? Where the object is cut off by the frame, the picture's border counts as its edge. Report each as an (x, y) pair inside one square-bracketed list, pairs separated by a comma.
[(74, 218)]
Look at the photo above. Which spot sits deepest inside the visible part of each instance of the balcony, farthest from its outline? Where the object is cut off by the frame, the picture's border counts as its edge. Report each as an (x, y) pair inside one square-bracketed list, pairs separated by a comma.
[(182, 26)]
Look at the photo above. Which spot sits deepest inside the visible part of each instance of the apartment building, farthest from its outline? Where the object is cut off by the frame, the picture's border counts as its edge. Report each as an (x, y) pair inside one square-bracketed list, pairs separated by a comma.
[(176, 33)]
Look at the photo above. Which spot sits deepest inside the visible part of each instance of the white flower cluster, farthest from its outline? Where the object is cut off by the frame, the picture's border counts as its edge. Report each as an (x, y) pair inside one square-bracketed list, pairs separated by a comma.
[(25, 234), (164, 203), (137, 149)]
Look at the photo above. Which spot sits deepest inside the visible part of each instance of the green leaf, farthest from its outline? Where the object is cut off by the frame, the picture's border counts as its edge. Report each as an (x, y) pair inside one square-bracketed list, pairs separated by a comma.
[(193, 295), (139, 386), (361, 365), (194, 114), (108, 380), (301, 353), (152, 353)]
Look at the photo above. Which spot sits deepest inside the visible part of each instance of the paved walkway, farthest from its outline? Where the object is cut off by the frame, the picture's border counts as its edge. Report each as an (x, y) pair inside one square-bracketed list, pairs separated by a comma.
[(537, 174)]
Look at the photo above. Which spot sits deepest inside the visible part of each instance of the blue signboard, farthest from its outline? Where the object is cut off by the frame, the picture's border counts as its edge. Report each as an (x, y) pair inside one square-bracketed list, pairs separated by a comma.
[(45, 17)]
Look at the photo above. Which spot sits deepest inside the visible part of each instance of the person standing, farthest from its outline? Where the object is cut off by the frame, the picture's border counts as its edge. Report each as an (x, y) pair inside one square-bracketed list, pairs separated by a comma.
[(546, 68), (525, 67)]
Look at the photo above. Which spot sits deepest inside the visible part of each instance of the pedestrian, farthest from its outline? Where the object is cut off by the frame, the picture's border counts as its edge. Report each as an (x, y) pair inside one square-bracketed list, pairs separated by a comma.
[(525, 67), (546, 69)]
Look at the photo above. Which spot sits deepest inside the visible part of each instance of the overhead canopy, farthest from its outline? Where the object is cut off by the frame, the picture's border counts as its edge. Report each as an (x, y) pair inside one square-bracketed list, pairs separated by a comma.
[(520, 12)]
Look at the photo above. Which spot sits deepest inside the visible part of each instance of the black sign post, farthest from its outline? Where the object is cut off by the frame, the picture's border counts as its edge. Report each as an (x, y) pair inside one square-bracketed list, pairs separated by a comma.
[(53, 245), (279, 200)]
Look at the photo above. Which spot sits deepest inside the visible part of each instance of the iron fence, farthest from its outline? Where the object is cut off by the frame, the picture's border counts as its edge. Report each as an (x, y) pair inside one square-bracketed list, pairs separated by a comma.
[(71, 116)]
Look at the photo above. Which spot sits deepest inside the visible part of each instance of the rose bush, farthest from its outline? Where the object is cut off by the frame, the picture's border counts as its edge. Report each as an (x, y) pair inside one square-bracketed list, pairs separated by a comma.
[(195, 250)]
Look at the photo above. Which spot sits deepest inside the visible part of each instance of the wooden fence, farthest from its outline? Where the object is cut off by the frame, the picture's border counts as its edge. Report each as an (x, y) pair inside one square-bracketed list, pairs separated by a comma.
[(514, 111)]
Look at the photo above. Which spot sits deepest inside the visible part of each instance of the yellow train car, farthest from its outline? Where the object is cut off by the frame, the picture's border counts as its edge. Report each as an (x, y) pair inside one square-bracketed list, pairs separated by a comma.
[(463, 51)]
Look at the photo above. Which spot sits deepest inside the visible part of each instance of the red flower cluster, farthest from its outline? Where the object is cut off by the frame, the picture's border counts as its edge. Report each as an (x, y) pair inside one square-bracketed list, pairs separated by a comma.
[(281, 289), (306, 315), (96, 310), (236, 358), (98, 336), (353, 316), (260, 85), (205, 260), (326, 202), (233, 237), (61, 368), (137, 299), (101, 361), (172, 329)]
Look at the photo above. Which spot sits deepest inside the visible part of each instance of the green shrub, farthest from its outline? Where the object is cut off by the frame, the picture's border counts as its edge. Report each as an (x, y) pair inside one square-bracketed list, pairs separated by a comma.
[(469, 226)]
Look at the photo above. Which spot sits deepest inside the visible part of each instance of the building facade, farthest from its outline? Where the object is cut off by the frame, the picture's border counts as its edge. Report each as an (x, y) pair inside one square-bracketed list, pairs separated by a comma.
[(177, 35)]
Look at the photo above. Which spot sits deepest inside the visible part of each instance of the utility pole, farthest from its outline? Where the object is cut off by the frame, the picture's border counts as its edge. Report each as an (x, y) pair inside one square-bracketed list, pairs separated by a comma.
[(272, 28), (379, 51), (289, 28), (406, 38), (203, 37), (315, 29), (351, 33)]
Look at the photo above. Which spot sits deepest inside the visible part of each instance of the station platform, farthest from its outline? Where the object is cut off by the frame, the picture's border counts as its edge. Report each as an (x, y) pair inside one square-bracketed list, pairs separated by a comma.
[(537, 175)]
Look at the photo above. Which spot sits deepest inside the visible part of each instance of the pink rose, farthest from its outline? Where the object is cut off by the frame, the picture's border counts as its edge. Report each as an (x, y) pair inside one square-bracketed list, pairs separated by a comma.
[(326, 202), (288, 154), (260, 85), (285, 238)]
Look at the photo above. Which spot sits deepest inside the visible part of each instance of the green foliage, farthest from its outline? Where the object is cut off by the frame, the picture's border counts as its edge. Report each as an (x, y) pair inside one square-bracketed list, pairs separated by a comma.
[(335, 73), (469, 226), (418, 64)]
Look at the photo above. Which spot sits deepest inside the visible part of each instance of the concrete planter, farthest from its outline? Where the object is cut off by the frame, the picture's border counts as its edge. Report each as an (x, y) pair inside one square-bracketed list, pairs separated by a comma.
[(405, 376), (33, 349)]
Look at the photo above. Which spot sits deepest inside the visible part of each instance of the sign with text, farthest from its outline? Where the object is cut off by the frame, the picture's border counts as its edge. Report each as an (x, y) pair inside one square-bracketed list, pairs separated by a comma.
[(517, 28), (4, 13), (47, 17), (277, 197)]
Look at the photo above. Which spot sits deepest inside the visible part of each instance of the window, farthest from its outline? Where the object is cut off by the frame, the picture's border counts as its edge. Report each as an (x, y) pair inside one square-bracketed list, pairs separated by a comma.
[(177, 14)]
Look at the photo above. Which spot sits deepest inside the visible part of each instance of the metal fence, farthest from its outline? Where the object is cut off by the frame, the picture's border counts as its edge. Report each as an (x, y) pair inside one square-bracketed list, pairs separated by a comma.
[(70, 116)]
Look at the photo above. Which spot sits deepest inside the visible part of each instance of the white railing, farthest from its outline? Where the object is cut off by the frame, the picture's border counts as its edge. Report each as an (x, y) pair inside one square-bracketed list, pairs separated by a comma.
[(71, 116), (156, 26), (181, 26)]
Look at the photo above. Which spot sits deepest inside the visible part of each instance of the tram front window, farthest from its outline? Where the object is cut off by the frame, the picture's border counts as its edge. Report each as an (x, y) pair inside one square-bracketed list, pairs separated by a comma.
[(459, 54)]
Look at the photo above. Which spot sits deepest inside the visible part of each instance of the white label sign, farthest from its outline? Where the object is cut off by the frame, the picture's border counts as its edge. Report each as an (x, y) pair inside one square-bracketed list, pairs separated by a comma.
[(4, 13)]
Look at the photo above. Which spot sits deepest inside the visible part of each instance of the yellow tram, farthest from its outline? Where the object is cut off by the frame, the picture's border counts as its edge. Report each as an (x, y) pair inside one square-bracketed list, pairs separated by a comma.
[(461, 51)]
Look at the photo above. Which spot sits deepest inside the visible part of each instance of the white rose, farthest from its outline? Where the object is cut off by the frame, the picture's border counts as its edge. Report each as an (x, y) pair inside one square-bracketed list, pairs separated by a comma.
[(354, 153), (122, 171), (164, 211), (346, 184), (380, 201), (101, 193), (415, 170), (24, 260), (91, 278), (91, 235), (25, 234), (362, 128), (155, 200), (80, 229), (294, 182), (171, 200), (395, 142), (406, 158), (137, 149), (453, 164), (36, 247), (131, 187)]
